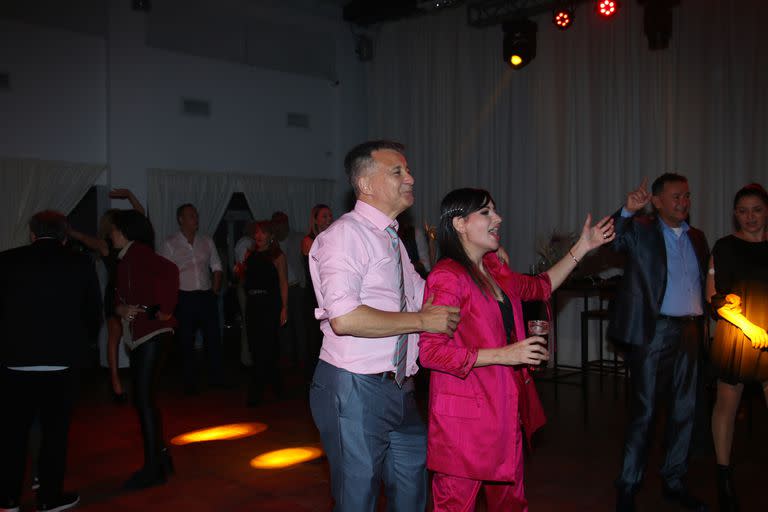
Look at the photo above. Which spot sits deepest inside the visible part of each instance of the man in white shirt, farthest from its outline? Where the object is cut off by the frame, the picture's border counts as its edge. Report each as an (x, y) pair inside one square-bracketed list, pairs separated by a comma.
[(200, 274)]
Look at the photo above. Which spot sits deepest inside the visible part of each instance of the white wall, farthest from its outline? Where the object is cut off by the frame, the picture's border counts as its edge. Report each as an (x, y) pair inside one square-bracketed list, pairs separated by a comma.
[(79, 97), (55, 106)]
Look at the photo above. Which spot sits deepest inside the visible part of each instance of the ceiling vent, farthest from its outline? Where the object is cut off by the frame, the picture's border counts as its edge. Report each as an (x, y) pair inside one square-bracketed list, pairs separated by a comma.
[(196, 108), (297, 120)]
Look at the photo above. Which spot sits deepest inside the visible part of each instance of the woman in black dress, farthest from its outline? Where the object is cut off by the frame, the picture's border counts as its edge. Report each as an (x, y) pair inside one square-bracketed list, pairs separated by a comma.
[(737, 285), (265, 280)]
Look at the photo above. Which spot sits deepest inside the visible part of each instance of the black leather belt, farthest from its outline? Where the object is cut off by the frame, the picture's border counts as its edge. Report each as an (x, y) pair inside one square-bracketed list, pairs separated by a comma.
[(384, 375), (388, 376), (684, 318)]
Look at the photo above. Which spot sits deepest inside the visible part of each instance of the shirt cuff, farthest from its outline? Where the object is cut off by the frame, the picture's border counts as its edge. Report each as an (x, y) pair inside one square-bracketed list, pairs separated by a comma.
[(339, 308), (626, 213)]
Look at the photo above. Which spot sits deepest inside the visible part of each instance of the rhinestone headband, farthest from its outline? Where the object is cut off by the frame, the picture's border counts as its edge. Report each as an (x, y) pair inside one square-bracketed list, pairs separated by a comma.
[(453, 212)]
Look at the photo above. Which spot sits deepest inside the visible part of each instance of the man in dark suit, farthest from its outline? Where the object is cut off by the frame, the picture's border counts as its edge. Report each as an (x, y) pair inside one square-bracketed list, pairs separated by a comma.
[(657, 315), (50, 308)]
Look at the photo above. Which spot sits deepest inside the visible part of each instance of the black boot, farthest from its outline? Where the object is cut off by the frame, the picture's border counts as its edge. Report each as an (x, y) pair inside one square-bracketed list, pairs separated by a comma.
[(167, 462), (148, 476), (725, 491)]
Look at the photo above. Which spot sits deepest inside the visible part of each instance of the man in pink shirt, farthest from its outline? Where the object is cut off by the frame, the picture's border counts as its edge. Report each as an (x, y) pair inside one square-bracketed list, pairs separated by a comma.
[(369, 307)]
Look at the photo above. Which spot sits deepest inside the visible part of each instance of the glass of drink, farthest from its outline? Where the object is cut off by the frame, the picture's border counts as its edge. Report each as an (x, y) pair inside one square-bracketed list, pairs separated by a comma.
[(539, 328)]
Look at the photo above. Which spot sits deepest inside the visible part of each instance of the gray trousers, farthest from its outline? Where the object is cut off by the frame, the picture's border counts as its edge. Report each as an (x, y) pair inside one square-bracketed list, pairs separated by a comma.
[(371, 431)]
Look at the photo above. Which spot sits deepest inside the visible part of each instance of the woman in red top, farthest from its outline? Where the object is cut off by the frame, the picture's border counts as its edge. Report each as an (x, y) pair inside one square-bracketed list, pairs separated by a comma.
[(146, 292), (481, 397)]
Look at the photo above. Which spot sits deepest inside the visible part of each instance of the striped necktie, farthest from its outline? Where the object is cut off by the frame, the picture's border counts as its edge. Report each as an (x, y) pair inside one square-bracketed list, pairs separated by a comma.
[(401, 347)]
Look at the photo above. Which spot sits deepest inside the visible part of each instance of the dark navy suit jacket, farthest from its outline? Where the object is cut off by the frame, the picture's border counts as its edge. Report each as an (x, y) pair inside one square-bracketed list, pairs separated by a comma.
[(637, 304)]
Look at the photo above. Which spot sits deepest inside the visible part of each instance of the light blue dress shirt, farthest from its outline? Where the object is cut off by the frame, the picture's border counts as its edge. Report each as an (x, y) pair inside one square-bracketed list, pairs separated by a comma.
[(682, 296)]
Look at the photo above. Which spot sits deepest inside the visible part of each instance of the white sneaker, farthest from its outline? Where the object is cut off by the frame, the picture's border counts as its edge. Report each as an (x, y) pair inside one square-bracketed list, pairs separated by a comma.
[(64, 502)]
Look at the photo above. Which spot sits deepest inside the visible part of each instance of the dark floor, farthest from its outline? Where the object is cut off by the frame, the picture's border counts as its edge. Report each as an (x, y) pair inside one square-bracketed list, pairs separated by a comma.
[(572, 469)]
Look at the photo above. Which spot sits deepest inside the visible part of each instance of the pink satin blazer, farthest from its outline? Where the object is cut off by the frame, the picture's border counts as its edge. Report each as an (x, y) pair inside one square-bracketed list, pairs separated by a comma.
[(475, 414)]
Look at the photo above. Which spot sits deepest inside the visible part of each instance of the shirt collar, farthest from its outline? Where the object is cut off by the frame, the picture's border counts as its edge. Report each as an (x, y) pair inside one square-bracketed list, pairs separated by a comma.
[(124, 250), (669, 229), (375, 216)]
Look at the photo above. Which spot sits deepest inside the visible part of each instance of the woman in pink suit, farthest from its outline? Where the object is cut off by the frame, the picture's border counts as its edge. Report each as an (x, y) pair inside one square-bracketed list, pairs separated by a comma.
[(481, 397)]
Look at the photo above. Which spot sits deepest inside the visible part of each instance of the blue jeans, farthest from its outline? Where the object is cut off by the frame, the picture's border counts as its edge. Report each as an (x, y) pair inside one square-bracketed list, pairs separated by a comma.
[(371, 430)]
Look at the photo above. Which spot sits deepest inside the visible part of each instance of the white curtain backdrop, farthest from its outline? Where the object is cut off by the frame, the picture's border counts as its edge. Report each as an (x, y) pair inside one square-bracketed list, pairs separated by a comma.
[(294, 196), (581, 125), (210, 192), (28, 186)]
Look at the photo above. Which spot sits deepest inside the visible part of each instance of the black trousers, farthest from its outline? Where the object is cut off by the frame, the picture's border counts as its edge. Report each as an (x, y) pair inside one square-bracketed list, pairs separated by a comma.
[(23, 396), (667, 368), (262, 324), (145, 367), (199, 310)]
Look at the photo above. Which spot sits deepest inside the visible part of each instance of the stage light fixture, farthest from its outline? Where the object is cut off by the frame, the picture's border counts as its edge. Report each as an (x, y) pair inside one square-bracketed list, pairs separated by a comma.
[(658, 22), (562, 17), (607, 8), (141, 5), (519, 47)]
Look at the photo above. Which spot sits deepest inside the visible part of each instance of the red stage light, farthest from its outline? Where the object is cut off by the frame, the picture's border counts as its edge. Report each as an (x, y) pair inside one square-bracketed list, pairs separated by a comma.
[(607, 8), (562, 18)]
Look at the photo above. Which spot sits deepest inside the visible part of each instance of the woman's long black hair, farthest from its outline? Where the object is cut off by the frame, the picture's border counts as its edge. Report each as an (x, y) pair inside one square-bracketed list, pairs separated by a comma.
[(134, 226), (460, 203)]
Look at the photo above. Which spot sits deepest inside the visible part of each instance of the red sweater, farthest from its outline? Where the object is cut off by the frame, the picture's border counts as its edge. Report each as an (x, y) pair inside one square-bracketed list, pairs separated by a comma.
[(146, 278)]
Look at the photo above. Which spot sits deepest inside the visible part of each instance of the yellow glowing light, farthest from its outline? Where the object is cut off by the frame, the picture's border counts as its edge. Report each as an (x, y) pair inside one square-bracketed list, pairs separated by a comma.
[(222, 432), (516, 60), (286, 457)]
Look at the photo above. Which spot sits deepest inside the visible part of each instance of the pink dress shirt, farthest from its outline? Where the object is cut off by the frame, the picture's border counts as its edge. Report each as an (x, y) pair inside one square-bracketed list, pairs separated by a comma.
[(475, 414), (196, 261), (353, 263)]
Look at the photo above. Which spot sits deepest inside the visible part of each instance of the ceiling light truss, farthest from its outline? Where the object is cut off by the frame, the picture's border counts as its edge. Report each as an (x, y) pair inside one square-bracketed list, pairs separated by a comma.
[(485, 13)]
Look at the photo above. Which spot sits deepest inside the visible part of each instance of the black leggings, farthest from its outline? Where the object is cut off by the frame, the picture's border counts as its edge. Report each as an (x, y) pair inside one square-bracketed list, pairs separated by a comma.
[(145, 363)]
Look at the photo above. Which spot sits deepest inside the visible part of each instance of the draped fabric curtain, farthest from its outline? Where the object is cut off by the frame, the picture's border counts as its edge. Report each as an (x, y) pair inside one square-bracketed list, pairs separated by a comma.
[(294, 196), (580, 126), (210, 192), (593, 114), (28, 186)]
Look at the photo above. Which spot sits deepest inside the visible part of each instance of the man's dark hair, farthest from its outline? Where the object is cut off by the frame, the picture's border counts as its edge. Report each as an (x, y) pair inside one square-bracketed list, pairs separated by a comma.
[(181, 209), (135, 227), (359, 157), (668, 177), (49, 224)]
